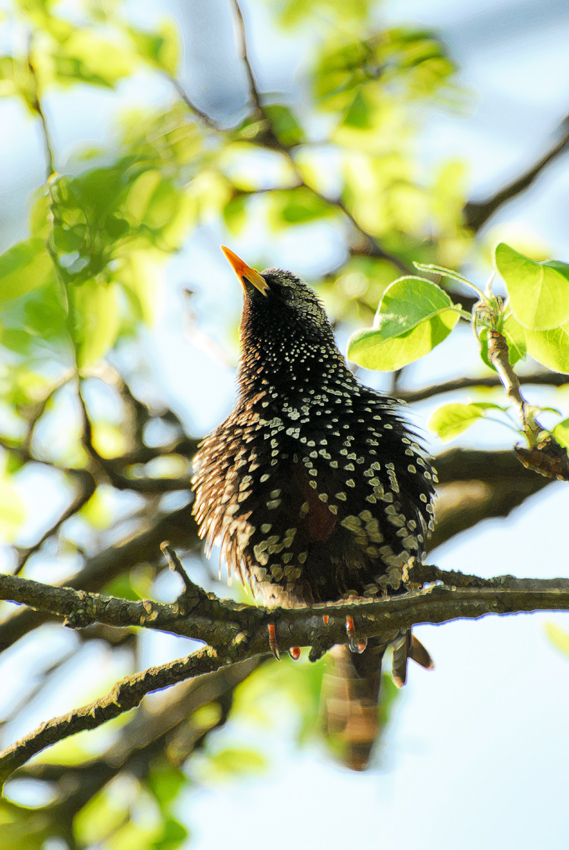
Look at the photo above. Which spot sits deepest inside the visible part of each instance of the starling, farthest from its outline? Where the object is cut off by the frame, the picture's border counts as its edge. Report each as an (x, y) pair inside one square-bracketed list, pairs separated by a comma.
[(314, 486)]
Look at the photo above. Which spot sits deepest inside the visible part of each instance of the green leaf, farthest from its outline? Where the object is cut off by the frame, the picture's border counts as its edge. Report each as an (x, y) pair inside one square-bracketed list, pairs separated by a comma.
[(296, 206), (12, 511), (285, 123), (141, 274), (414, 316), (16, 79), (234, 762), (96, 320), (40, 219), (172, 836), (42, 313), (235, 214), (539, 292), (452, 419), (360, 113), (24, 267), (160, 49), (515, 336), (561, 433), (87, 56), (551, 348), (8, 74), (165, 782)]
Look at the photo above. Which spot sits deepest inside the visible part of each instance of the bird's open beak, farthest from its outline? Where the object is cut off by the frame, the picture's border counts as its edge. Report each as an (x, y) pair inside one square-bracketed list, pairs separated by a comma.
[(245, 272)]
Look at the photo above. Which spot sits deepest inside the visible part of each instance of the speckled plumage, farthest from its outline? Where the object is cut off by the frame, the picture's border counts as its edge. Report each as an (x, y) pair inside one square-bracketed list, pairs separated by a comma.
[(313, 486)]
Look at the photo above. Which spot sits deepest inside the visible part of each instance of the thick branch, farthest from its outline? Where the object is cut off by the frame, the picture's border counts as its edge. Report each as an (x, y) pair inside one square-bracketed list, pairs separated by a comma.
[(196, 614), (151, 734)]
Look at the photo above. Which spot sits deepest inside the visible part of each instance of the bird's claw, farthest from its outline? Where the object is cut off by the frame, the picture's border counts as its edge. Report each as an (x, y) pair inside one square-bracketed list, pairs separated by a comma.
[(356, 644), (273, 644), (294, 653)]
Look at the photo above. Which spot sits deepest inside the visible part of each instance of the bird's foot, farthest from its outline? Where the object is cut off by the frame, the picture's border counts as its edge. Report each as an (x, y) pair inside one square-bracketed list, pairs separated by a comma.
[(273, 644), (356, 644), (294, 653)]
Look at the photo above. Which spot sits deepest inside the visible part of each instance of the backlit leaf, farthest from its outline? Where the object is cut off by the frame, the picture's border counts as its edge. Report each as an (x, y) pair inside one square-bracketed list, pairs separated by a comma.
[(551, 347), (561, 433), (539, 292), (23, 267), (97, 320), (414, 316), (452, 419)]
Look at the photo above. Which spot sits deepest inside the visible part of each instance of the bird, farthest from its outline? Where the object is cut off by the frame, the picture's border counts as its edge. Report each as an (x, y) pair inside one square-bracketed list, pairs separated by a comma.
[(315, 488)]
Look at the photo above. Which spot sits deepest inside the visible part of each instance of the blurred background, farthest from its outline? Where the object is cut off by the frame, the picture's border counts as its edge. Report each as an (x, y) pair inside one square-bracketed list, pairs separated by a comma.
[(342, 141)]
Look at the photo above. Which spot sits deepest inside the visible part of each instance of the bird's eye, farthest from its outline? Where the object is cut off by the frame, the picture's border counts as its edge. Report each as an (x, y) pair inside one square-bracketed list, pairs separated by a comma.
[(290, 296)]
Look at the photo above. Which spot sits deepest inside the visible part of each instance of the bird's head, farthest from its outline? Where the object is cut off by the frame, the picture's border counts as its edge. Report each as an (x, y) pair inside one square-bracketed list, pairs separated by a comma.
[(286, 339), (279, 299)]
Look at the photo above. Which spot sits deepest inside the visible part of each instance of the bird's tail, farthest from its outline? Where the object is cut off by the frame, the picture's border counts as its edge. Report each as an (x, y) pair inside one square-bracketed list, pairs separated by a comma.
[(351, 694)]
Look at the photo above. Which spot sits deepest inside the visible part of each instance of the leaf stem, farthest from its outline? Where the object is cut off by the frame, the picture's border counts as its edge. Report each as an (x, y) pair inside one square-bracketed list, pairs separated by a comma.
[(441, 270)]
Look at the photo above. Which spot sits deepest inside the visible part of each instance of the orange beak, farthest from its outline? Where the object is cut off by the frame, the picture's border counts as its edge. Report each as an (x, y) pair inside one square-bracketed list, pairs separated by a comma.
[(245, 272)]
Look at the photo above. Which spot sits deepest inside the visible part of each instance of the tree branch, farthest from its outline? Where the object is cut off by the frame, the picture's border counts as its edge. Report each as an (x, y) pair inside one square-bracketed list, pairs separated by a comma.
[(125, 695), (240, 631), (184, 96), (178, 526), (496, 484), (477, 214), (86, 489), (548, 379), (167, 727), (38, 109), (544, 455), (245, 58)]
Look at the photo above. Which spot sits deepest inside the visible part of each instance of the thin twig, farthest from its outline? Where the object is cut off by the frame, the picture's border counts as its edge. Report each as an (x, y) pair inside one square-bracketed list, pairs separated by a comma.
[(87, 487), (109, 469), (203, 116), (552, 379), (244, 54), (38, 109), (174, 563), (544, 455), (372, 246)]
